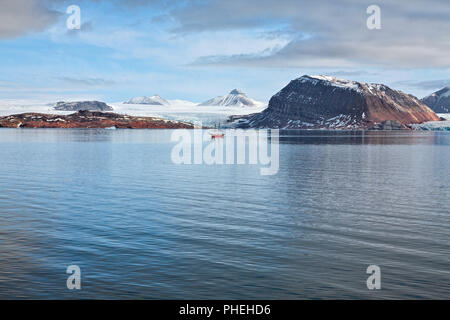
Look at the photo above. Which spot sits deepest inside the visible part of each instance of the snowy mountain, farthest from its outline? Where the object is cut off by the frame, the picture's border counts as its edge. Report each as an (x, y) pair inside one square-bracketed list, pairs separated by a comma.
[(154, 100), (439, 101), (82, 105), (235, 98), (314, 102)]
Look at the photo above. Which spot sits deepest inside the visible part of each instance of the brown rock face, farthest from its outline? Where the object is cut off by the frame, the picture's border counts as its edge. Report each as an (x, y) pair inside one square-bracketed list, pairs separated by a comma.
[(88, 119), (313, 102)]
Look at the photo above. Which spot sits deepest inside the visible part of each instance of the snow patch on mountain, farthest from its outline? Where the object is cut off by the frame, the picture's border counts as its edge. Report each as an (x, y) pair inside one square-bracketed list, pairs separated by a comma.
[(439, 101), (443, 93), (330, 81), (82, 105), (359, 87), (153, 100), (235, 98), (446, 93)]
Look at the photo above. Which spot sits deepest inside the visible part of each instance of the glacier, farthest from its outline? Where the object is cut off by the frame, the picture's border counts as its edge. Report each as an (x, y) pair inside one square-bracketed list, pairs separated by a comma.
[(435, 125), (180, 110)]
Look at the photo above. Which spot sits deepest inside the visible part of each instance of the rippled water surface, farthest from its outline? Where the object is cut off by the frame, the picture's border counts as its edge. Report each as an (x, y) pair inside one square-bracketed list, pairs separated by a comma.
[(139, 226)]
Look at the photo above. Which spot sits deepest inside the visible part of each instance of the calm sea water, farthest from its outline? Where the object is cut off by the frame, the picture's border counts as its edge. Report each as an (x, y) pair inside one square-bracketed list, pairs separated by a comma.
[(139, 226)]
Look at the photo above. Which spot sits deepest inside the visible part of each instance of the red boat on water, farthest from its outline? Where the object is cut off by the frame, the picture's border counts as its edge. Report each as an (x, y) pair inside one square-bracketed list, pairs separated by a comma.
[(216, 133)]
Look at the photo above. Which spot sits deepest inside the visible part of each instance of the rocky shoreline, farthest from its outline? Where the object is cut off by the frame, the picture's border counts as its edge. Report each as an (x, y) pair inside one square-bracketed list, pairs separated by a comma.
[(89, 119)]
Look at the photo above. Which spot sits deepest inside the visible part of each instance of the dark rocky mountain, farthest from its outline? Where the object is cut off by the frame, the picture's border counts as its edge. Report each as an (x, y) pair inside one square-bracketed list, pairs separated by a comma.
[(439, 101), (83, 105), (314, 102)]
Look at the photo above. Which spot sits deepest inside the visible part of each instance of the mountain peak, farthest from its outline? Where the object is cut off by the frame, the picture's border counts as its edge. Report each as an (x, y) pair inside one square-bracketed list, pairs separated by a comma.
[(325, 78), (439, 101), (236, 98), (236, 91), (444, 90), (154, 100), (320, 77)]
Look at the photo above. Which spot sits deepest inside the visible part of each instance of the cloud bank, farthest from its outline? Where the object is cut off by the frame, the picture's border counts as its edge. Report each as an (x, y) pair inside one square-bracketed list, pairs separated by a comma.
[(19, 17), (413, 34)]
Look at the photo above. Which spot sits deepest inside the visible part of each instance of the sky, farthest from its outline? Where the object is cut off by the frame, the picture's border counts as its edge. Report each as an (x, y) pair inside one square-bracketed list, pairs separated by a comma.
[(198, 49)]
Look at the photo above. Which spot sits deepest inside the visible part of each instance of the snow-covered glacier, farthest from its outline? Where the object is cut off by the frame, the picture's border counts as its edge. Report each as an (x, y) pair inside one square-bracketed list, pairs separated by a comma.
[(435, 125)]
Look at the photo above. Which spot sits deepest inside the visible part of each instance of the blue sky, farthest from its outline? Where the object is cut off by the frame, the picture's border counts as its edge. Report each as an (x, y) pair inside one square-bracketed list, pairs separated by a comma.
[(195, 50)]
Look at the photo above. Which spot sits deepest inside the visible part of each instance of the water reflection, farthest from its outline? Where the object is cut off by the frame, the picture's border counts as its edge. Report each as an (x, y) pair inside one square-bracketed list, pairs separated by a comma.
[(363, 137), (112, 202)]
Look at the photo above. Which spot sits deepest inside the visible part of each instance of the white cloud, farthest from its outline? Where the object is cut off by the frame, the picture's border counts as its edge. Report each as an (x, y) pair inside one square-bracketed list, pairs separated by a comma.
[(413, 34)]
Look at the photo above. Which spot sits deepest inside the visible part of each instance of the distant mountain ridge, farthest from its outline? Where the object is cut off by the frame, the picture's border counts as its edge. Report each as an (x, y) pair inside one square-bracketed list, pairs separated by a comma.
[(235, 98), (153, 100), (82, 105), (314, 102), (439, 101)]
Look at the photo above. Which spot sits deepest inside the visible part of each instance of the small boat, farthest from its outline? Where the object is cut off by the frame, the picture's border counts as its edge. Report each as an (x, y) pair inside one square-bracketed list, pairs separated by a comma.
[(216, 133)]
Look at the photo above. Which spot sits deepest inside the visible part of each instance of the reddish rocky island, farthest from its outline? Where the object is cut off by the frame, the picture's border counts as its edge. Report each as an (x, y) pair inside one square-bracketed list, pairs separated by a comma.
[(89, 119)]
